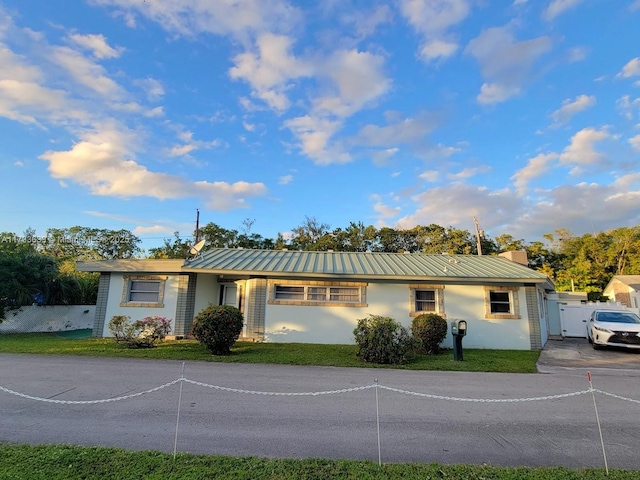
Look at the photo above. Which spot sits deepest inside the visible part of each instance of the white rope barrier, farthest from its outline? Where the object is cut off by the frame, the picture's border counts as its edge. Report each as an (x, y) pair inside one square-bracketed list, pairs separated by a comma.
[(314, 394)]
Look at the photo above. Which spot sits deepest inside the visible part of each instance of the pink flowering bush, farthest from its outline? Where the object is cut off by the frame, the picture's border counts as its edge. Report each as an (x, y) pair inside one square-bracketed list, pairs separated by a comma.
[(143, 333)]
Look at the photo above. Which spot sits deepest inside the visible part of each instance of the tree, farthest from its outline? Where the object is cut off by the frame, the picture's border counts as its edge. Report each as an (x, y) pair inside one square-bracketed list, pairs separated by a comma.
[(355, 238), (218, 237), (308, 235), (176, 248), (84, 243)]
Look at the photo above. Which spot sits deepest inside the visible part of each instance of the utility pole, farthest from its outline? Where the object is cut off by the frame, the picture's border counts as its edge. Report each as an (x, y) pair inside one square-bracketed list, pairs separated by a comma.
[(479, 235), (197, 225)]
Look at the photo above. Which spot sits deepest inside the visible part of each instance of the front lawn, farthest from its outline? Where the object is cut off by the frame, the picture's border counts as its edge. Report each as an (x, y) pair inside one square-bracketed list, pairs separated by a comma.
[(61, 462), (475, 360)]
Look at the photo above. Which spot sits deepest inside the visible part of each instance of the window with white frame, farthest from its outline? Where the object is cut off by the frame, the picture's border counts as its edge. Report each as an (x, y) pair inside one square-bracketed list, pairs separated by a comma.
[(426, 299), (502, 302), (318, 293), (143, 291)]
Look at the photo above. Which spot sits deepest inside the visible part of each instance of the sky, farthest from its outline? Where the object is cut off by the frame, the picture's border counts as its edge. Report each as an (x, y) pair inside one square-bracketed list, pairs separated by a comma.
[(135, 114)]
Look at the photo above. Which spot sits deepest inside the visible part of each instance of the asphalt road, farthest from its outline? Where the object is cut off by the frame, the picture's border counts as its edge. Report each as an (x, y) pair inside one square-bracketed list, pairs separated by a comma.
[(561, 431)]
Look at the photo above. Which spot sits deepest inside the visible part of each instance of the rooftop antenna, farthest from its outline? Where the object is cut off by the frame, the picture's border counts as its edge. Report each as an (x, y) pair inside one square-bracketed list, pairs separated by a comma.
[(195, 250), (479, 235)]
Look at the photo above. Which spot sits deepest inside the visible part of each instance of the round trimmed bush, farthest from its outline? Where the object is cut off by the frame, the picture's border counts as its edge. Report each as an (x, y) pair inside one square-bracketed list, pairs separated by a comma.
[(382, 340), (429, 330), (218, 327)]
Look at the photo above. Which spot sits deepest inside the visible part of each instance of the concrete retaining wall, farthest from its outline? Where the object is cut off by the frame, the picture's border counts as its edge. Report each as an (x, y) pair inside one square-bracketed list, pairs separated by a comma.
[(54, 318)]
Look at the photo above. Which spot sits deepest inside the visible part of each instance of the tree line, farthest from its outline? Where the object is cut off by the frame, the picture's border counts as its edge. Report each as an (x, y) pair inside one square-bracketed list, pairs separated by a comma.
[(41, 269)]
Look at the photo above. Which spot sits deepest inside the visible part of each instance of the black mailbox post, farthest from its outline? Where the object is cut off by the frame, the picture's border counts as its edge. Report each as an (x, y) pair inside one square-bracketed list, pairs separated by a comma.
[(458, 330)]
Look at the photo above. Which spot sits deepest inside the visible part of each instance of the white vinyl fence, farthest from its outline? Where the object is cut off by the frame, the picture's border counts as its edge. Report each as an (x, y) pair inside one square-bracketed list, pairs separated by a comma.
[(573, 318)]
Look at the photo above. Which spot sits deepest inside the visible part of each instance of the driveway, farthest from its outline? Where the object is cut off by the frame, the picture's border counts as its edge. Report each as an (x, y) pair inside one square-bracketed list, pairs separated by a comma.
[(577, 353)]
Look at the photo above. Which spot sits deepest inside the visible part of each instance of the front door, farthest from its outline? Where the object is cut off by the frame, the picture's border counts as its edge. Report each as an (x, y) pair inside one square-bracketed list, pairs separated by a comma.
[(229, 294)]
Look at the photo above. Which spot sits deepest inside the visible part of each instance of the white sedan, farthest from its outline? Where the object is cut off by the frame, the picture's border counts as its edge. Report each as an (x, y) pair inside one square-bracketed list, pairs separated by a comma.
[(614, 328)]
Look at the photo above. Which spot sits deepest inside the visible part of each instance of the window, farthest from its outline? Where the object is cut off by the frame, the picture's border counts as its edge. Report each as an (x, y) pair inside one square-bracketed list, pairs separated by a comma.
[(425, 301), (426, 298), (289, 293), (501, 302), (317, 293), (143, 291)]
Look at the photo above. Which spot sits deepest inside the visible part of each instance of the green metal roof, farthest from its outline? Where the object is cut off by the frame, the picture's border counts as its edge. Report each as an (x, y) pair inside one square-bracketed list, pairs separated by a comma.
[(361, 265)]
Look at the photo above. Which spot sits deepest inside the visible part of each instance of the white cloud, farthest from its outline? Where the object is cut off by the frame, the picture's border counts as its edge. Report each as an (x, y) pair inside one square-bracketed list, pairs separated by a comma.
[(190, 144), (491, 93), (285, 179), (103, 161), (635, 142), (635, 6), (355, 79), (570, 107), (382, 157), (577, 54), (409, 130), (627, 106), (152, 88), (384, 212), (456, 205), (97, 44), (435, 49), (557, 7), (314, 134), (468, 173), (240, 19), (536, 167), (505, 63), (581, 151), (433, 19), (608, 206), (86, 72), (365, 22), (631, 69), (269, 70), (430, 176)]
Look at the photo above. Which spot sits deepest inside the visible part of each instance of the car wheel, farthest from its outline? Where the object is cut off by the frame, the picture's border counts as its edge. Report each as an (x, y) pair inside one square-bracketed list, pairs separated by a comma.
[(589, 338), (596, 346)]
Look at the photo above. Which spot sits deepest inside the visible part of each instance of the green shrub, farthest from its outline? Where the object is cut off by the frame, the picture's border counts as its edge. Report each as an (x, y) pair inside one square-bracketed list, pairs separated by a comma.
[(218, 327), (429, 330), (382, 340), (141, 333)]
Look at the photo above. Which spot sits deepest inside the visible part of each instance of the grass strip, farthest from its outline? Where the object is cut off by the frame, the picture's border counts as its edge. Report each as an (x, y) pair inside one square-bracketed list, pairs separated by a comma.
[(62, 462), (475, 360)]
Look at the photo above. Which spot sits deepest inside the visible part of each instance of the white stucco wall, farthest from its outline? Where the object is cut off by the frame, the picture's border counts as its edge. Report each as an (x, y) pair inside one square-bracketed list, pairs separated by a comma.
[(313, 324), (207, 291), (116, 284)]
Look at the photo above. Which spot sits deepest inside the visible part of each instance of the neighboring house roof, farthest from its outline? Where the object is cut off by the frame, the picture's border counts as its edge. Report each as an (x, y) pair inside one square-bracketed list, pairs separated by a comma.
[(632, 281), (131, 265), (387, 266)]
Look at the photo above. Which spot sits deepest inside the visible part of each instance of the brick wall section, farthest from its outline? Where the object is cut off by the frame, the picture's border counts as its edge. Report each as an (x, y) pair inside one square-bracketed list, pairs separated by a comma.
[(533, 313), (101, 304), (185, 305), (255, 308)]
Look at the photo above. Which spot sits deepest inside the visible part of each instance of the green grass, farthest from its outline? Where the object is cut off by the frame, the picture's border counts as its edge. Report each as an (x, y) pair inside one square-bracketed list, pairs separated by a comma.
[(59, 462), (475, 360)]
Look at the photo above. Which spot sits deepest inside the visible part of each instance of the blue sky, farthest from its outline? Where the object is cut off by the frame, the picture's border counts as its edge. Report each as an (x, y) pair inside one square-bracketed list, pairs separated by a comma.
[(132, 114)]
